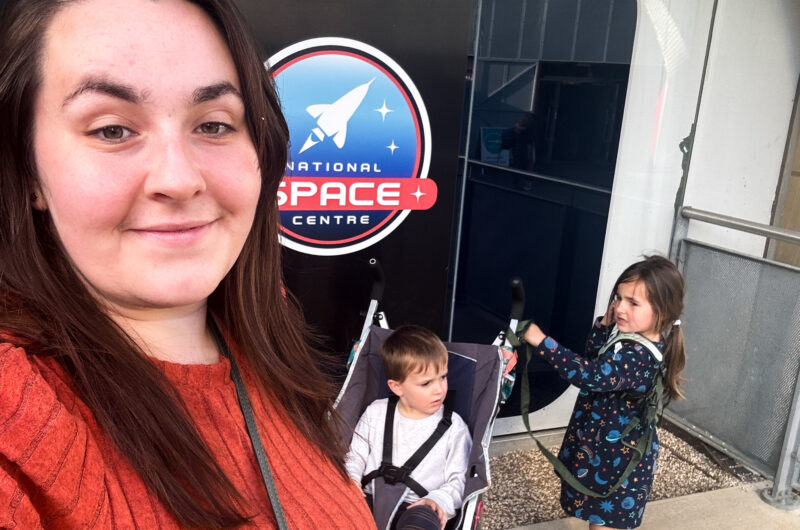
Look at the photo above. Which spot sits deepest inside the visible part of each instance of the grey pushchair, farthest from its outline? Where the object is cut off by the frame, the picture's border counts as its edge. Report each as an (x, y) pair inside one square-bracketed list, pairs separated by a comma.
[(480, 377)]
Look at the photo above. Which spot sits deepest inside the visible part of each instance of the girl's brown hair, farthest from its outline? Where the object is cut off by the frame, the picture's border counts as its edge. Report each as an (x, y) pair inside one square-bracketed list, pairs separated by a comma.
[(664, 285), (45, 305)]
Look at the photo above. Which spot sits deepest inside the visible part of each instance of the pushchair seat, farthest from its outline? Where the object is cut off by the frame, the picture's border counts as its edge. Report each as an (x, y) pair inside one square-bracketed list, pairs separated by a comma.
[(474, 378)]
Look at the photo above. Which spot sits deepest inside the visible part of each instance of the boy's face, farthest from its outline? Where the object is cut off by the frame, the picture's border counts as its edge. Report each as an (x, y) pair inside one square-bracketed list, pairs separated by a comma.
[(422, 393)]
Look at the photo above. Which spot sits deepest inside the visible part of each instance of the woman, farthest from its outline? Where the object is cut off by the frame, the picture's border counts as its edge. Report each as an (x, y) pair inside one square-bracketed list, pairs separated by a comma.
[(142, 150)]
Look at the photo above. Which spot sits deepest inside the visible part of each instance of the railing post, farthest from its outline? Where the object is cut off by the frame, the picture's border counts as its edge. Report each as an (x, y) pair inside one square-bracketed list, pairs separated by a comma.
[(781, 494)]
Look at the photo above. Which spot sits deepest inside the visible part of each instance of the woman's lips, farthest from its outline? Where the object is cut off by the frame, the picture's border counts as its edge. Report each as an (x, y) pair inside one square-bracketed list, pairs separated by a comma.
[(175, 233)]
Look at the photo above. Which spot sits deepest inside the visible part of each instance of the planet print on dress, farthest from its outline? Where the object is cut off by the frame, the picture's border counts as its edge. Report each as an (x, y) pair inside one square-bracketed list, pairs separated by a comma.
[(613, 436), (627, 503), (595, 519)]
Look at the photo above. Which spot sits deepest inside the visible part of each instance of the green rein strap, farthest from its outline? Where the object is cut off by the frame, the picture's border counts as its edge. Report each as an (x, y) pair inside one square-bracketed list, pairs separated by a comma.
[(651, 399)]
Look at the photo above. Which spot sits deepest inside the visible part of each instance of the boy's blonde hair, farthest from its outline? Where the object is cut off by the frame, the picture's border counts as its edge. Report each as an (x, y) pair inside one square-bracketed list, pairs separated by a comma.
[(411, 349)]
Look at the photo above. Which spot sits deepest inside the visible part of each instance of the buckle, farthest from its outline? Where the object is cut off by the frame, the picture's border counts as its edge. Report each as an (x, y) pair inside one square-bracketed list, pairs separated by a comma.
[(392, 474)]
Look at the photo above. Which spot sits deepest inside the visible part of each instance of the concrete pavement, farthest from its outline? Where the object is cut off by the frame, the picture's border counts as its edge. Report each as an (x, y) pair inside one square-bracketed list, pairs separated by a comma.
[(731, 508)]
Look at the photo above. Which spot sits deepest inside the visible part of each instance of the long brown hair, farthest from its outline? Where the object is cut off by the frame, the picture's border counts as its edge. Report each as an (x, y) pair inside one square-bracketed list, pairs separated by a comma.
[(664, 285), (45, 305)]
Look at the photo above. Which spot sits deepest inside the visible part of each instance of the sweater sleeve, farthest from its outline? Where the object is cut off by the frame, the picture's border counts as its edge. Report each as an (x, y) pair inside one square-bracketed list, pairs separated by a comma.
[(51, 469), (450, 494), (627, 366)]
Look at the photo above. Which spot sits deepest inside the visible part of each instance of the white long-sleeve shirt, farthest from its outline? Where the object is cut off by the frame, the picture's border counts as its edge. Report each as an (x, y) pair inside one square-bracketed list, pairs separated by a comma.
[(442, 472)]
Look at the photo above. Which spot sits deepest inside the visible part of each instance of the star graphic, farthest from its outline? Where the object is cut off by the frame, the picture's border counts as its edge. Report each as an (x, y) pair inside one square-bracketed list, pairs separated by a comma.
[(392, 147), (418, 194), (384, 110)]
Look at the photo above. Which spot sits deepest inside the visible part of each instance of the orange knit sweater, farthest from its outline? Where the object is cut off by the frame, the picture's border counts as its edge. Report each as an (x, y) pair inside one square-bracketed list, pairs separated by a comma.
[(59, 470)]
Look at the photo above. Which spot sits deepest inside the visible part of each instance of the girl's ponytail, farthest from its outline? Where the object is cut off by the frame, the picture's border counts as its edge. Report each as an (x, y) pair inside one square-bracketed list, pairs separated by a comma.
[(675, 361)]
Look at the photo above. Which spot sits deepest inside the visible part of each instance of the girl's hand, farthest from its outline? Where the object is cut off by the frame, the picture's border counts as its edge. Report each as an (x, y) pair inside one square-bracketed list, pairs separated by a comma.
[(610, 317), (534, 335)]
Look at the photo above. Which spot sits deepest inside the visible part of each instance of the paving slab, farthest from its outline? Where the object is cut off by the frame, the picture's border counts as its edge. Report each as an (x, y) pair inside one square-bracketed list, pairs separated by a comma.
[(738, 507)]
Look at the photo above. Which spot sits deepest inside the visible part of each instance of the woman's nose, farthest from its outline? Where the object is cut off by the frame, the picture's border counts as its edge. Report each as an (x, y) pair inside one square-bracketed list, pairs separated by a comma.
[(174, 172)]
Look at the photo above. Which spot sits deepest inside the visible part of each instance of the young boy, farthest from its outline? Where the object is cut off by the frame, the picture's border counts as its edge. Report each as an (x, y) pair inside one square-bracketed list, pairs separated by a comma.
[(415, 362)]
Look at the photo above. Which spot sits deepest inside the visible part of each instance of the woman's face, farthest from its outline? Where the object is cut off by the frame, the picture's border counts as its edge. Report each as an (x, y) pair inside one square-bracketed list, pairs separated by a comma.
[(142, 149)]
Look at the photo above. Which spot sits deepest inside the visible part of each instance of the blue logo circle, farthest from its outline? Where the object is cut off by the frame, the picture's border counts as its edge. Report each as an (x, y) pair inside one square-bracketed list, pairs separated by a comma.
[(359, 146)]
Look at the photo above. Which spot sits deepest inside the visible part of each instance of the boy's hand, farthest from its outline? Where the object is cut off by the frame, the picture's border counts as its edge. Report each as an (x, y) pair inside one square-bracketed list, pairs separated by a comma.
[(533, 335), (435, 507)]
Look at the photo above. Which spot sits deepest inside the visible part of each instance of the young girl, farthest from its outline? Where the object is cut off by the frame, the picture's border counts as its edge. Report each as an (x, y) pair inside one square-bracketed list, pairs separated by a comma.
[(634, 349)]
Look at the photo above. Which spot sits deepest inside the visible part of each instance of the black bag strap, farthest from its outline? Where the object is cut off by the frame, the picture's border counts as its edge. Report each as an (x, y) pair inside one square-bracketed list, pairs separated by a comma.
[(393, 474), (388, 429), (252, 430), (651, 400)]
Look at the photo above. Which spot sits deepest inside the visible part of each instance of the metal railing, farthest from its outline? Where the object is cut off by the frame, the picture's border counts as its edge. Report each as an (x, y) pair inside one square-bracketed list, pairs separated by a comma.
[(747, 401)]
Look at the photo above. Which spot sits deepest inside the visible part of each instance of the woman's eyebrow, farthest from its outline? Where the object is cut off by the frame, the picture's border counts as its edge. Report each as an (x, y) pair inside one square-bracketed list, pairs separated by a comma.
[(104, 86), (211, 92)]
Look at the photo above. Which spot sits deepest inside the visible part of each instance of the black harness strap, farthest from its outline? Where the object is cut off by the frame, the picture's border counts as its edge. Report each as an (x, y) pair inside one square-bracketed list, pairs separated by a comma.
[(393, 474)]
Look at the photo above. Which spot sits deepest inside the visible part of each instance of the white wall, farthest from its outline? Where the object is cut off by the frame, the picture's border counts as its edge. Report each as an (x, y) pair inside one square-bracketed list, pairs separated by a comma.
[(744, 119)]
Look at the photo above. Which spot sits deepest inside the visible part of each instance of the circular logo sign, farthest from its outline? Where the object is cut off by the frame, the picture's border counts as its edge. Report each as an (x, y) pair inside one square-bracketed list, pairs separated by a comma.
[(359, 146)]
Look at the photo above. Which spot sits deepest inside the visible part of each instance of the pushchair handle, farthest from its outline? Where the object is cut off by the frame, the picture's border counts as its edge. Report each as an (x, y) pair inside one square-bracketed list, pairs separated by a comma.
[(378, 280), (517, 297)]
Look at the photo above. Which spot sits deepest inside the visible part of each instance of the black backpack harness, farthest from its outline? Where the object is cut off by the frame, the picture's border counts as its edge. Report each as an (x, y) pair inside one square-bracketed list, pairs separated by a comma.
[(393, 474)]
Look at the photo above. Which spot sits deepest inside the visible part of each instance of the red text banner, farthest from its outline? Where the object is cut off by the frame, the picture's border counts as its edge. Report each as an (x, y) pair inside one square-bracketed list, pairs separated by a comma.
[(356, 193)]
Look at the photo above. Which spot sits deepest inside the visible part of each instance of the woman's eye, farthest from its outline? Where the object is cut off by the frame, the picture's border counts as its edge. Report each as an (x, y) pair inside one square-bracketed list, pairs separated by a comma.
[(214, 128), (617, 298), (112, 133)]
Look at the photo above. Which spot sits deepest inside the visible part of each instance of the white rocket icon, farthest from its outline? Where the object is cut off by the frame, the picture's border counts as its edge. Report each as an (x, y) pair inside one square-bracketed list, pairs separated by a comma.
[(332, 118)]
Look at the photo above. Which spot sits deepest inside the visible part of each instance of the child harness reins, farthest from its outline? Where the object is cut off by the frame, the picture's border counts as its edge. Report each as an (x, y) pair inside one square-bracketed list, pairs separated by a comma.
[(393, 474), (650, 402)]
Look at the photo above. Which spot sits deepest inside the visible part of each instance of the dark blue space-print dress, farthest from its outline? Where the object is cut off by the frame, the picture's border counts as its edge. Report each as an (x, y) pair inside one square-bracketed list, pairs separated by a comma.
[(592, 449)]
